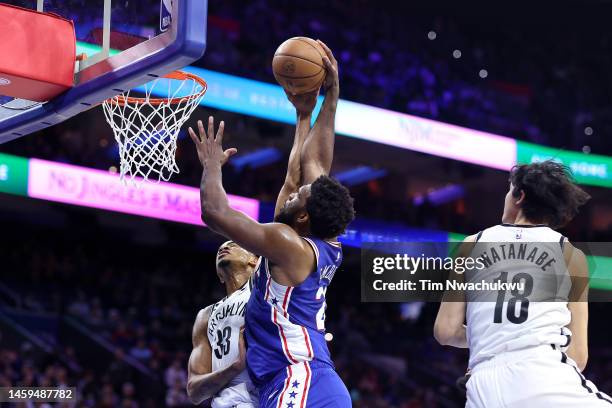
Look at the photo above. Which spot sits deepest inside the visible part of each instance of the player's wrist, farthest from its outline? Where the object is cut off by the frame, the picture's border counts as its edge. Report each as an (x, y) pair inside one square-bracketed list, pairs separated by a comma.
[(332, 95), (235, 368), (304, 115)]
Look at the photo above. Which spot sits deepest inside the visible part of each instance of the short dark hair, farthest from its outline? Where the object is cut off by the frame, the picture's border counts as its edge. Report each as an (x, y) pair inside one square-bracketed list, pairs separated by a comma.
[(330, 207), (551, 195)]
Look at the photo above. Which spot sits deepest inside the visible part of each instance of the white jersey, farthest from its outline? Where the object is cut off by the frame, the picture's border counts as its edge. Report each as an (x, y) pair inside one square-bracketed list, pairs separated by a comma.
[(224, 324), (522, 317)]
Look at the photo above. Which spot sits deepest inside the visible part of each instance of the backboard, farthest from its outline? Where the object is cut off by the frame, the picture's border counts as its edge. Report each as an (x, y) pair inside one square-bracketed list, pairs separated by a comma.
[(128, 43)]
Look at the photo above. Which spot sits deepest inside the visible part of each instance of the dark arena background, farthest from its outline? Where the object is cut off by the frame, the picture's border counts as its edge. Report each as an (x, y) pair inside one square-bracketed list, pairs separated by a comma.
[(105, 301)]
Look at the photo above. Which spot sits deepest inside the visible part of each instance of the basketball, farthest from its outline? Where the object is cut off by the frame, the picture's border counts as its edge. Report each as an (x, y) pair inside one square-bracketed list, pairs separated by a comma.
[(298, 65)]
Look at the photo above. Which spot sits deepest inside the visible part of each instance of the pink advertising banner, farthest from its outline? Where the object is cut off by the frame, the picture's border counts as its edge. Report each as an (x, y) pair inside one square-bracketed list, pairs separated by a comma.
[(100, 189)]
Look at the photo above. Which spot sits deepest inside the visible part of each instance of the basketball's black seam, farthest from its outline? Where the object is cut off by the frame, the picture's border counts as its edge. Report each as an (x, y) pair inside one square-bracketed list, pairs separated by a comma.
[(301, 39), (302, 77), (302, 58)]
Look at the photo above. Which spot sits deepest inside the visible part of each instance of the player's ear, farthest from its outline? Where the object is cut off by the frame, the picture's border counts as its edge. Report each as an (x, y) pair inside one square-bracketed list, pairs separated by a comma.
[(252, 261), (302, 217), (521, 198)]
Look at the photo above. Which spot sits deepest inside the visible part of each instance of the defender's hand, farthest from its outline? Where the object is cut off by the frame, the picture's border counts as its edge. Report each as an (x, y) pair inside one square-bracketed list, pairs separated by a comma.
[(332, 81), (209, 145), (240, 364), (304, 104)]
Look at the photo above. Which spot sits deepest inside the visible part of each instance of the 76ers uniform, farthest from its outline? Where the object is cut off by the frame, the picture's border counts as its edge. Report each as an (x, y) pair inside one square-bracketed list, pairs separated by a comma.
[(518, 338), (287, 355), (226, 320)]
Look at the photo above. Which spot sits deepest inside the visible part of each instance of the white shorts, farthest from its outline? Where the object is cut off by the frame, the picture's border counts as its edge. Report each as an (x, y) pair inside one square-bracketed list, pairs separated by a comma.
[(537, 378)]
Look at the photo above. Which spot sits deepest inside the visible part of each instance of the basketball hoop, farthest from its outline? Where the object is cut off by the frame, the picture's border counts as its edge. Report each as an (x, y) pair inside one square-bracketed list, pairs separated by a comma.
[(147, 128)]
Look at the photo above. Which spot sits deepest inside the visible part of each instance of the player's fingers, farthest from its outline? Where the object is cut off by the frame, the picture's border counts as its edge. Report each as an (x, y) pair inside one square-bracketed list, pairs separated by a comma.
[(328, 51), (328, 63), (211, 127), (231, 151), (201, 131), (219, 136), (193, 136), (330, 66)]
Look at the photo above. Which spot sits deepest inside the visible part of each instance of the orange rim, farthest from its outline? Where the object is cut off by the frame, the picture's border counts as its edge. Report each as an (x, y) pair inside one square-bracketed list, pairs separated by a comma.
[(179, 76)]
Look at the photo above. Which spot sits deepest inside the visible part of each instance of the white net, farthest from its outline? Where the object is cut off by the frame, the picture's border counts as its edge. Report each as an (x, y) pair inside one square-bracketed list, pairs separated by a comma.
[(147, 128)]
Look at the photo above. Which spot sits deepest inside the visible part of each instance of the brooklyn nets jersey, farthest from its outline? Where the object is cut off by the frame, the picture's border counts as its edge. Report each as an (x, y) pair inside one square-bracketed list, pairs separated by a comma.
[(531, 313), (226, 320)]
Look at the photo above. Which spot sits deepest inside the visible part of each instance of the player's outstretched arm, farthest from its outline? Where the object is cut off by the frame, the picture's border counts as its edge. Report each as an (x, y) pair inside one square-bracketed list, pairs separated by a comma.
[(318, 151), (277, 242), (304, 105), (578, 305), (202, 382), (449, 328)]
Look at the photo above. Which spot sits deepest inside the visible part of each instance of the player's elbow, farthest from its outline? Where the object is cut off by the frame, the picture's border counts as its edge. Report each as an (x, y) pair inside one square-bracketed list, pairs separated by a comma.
[(443, 334), (191, 394), (195, 397), (449, 331), (581, 359), (212, 217), (292, 182)]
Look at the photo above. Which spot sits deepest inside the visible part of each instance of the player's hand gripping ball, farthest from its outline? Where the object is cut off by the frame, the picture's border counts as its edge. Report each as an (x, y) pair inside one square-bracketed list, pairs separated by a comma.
[(298, 65)]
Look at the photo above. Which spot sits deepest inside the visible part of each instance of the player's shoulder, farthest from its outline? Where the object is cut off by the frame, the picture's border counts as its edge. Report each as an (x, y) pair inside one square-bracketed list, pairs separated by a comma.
[(283, 236), (204, 315), (472, 238), (282, 230), (324, 250), (245, 290), (571, 252), (497, 228), (315, 242), (200, 326), (477, 236)]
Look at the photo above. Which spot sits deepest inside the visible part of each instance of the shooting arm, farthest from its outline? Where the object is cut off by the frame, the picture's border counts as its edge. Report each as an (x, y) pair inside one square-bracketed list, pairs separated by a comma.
[(318, 151), (294, 174), (202, 382)]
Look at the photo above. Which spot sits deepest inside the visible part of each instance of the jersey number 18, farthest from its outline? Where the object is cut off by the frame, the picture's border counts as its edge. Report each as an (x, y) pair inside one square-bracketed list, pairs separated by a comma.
[(517, 296)]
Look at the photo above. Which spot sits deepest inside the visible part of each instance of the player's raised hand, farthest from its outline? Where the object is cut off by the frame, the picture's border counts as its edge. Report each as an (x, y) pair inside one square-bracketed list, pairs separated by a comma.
[(305, 103), (209, 145), (332, 81)]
